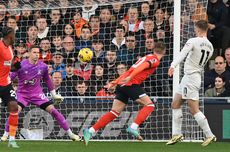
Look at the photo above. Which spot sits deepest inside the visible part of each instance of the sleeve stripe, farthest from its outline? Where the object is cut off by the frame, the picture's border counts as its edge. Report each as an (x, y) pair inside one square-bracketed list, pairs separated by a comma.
[(149, 64)]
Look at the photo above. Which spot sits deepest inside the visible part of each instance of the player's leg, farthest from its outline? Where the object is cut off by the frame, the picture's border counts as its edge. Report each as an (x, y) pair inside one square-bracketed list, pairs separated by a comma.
[(177, 117), (117, 108), (48, 106), (7, 126), (202, 121)]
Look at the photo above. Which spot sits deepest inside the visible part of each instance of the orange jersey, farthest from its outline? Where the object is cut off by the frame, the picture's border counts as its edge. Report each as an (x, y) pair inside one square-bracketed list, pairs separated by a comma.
[(140, 77), (6, 56)]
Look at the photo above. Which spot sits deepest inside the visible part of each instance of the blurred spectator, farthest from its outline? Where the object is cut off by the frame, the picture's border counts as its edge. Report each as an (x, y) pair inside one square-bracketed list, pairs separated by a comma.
[(110, 62), (58, 63), (26, 19), (161, 27), (13, 10), (81, 89), (45, 54), (198, 10), (85, 39), (149, 46), (11, 22), (69, 49), (218, 89), (118, 11), (70, 79), (125, 24), (227, 57), (42, 27), (20, 47), (129, 53), (56, 43), (145, 11), (57, 81), (99, 52), (56, 26), (2, 16), (121, 69), (217, 18), (39, 4), (78, 22), (94, 24), (66, 12), (83, 70), (219, 70), (119, 39), (98, 78), (32, 36), (133, 19), (88, 9), (69, 30)]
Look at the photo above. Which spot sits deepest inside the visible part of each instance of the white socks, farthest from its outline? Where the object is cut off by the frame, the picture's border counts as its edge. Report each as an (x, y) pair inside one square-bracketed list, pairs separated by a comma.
[(134, 126), (11, 138), (177, 121), (6, 133), (69, 132), (203, 123), (92, 130)]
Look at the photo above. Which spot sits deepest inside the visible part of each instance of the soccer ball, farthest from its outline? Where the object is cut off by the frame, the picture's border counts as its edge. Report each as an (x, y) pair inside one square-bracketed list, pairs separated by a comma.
[(85, 55)]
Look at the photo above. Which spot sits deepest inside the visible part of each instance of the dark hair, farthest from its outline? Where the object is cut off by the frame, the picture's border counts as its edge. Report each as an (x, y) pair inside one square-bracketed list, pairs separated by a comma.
[(33, 47), (202, 24), (159, 47), (6, 31), (220, 76)]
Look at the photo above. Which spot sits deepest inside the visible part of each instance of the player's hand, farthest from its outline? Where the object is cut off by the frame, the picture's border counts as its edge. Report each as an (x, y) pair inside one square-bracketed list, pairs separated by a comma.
[(57, 99), (170, 71), (110, 87), (125, 80)]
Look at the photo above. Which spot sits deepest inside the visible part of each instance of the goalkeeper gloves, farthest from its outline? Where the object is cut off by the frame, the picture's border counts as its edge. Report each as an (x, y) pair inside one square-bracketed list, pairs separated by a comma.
[(56, 97)]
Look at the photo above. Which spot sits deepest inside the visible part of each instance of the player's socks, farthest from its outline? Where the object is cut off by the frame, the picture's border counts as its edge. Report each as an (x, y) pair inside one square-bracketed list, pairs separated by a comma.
[(203, 123), (13, 124), (105, 119), (177, 118), (60, 119), (143, 114)]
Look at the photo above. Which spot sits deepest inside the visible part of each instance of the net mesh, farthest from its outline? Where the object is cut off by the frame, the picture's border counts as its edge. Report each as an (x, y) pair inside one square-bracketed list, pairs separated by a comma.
[(119, 33)]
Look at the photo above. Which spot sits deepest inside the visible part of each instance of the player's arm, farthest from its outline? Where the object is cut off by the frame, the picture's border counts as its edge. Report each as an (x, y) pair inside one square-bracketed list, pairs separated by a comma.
[(16, 65), (139, 69), (13, 75), (181, 56), (57, 98)]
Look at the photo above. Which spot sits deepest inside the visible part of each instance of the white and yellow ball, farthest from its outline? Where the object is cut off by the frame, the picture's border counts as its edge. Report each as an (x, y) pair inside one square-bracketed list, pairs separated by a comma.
[(85, 55)]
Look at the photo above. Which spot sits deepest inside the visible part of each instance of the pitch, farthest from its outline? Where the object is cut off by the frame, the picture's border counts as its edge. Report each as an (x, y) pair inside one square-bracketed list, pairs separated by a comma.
[(60, 146)]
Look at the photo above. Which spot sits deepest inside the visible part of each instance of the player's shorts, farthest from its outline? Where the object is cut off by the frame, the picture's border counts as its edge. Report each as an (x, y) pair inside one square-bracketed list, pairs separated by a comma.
[(189, 86), (7, 94), (125, 92), (40, 100)]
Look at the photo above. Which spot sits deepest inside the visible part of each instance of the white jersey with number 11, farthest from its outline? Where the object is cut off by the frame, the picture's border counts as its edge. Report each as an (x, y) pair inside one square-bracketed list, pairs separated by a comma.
[(198, 51)]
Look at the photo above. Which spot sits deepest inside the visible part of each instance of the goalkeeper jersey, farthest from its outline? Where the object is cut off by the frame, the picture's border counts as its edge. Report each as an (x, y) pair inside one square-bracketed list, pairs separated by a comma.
[(197, 52), (30, 77)]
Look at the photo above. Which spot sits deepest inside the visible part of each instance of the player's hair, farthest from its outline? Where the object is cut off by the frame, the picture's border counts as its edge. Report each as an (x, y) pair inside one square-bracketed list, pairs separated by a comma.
[(6, 31), (32, 47), (202, 24), (159, 47)]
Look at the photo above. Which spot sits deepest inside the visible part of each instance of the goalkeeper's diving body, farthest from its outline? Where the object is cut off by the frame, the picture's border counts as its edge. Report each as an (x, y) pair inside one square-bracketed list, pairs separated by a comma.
[(128, 86), (29, 90)]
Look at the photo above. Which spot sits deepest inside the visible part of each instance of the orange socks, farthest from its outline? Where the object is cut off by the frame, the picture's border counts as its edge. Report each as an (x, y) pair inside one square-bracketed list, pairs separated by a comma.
[(13, 123)]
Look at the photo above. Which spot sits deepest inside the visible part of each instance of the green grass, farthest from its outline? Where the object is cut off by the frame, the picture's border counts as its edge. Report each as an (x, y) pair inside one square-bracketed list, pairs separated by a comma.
[(42, 146)]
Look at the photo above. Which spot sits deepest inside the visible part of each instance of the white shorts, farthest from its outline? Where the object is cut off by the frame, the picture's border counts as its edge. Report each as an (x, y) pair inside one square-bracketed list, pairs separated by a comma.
[(189, 86)]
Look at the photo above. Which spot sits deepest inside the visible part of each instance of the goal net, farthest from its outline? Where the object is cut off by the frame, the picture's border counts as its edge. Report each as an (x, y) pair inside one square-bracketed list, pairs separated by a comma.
[(119, 32)]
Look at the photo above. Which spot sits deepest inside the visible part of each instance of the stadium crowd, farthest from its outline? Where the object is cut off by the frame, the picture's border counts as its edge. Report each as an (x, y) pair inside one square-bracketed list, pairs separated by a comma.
[(119, 34)]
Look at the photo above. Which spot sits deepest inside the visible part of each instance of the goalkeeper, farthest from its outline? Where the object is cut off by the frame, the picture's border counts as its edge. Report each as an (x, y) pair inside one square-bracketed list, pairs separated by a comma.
[(29, 90)]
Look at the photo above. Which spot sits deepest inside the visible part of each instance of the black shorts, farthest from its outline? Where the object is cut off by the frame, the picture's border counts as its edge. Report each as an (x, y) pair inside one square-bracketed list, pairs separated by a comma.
[(124, 93), (7, 94)]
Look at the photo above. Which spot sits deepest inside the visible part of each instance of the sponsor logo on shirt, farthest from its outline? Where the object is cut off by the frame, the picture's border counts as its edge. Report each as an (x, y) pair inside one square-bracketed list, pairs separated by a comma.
[(31, 82), (7, 63)]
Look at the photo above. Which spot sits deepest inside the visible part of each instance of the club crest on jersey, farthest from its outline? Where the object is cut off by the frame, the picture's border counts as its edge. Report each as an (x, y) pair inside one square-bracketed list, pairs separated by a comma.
[(7, 63), (153, 61), (39, 71)]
